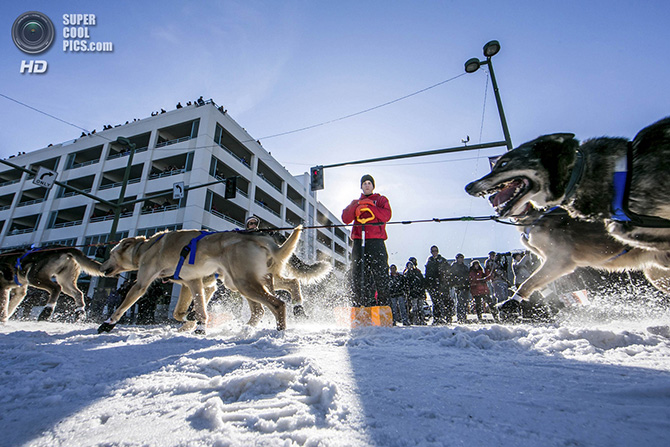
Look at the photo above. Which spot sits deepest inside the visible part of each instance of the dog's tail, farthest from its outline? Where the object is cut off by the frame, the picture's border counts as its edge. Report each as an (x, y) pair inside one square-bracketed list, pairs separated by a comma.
[(307, 273), (284, 252), (87, 265)]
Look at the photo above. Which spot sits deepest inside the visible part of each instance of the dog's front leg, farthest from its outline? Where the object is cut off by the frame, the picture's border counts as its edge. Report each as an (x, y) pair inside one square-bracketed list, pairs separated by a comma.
[(4, 305), (548, 272), (199, 305), (256, 312), (659, 278), (185, 299), (135, 292), (16, 297)]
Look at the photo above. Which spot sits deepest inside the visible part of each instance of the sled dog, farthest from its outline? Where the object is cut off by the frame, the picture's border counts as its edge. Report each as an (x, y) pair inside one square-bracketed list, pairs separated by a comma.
[(619, 182), (296, 272), (565, 243), (245, 262), (36, 268)]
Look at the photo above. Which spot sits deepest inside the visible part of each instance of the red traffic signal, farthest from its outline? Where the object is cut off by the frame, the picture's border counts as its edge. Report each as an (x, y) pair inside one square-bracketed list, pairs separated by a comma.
[(316, 180)]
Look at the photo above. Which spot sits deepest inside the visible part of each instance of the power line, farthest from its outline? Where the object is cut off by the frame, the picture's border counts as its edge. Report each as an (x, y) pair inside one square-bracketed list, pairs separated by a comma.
[(43, 113), (351, 115)]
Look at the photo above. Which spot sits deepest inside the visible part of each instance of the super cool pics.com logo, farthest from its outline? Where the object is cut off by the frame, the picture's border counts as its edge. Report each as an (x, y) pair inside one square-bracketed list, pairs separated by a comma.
[(33, 33)]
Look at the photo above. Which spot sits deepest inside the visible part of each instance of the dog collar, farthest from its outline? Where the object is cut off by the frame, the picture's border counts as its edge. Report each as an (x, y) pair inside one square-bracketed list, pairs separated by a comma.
[(575, 177)]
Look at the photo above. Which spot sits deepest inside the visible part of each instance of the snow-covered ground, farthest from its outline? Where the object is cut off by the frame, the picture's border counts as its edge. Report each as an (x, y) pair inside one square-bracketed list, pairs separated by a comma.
[(600, 376)]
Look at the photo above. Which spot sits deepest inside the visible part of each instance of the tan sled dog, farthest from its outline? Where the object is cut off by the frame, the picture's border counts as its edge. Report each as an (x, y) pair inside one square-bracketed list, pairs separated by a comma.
[(295, 273), (244, 262), (36, 268)]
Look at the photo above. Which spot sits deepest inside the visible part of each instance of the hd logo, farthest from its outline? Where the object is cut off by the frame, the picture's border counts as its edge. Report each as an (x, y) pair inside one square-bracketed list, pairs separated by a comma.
[(33, 33), (36, 67)]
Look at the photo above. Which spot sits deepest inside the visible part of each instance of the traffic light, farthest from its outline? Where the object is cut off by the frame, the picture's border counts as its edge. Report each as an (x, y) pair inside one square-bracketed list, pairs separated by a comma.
[(316, 181), (231, 188)]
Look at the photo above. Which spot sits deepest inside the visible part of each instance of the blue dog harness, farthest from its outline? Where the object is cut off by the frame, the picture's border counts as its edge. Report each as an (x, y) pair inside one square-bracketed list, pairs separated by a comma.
[(18, 266), (189, 250), (619, 206)]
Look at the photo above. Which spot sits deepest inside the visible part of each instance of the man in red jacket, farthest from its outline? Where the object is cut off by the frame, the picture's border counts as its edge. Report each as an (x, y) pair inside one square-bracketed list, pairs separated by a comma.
[(369, 212)]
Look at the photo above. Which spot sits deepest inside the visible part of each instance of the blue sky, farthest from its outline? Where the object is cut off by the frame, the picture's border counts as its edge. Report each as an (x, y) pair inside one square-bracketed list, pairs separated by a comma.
[(591, 68)]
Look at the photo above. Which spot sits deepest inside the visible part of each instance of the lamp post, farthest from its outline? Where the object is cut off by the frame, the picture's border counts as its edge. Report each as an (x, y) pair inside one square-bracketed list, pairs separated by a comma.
[(471, 65), (125, 142)]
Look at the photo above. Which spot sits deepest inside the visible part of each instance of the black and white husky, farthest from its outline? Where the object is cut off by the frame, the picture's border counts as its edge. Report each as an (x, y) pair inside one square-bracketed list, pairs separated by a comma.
[(622, 183)]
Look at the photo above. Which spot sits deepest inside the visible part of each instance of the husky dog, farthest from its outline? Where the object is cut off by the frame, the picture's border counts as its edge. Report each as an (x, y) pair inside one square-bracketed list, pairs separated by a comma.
[(246, 263), (296, 272), (619, 182), (36, 268), (565, 243)]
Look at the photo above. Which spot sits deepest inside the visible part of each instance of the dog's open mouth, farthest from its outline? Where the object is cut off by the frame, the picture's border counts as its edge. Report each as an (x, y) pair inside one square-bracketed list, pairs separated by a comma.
[(504, 196)]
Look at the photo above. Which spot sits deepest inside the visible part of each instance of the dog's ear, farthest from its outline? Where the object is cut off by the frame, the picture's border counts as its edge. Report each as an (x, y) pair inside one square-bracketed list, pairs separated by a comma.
[(557, 153), (559, 137)]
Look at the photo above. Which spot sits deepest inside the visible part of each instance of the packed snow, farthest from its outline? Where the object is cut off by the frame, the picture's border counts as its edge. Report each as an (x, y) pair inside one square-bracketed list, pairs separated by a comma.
[(598, 376)]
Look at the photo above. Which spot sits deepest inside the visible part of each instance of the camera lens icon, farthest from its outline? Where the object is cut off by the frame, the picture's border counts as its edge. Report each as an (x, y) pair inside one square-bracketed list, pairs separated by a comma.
[(33, 32)]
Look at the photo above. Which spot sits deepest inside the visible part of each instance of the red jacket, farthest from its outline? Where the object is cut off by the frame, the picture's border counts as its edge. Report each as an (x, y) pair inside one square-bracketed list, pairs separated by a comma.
[(379, 206), (478, 283)]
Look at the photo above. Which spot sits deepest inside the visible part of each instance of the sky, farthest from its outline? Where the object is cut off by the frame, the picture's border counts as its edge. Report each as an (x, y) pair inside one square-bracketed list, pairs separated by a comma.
[(599, 377), (591, 68)]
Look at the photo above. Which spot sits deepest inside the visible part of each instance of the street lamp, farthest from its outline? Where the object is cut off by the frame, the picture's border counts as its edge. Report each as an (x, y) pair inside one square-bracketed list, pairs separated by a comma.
[(471, 65)]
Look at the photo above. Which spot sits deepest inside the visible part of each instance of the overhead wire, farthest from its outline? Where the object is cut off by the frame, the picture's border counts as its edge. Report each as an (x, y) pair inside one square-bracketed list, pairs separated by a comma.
[(351, 115)]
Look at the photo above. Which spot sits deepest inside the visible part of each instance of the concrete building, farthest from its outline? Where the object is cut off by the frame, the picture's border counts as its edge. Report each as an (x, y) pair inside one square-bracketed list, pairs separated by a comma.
[(196, 145)]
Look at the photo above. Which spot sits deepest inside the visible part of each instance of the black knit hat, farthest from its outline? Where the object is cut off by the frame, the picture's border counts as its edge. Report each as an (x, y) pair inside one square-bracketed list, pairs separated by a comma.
[(368, 177)]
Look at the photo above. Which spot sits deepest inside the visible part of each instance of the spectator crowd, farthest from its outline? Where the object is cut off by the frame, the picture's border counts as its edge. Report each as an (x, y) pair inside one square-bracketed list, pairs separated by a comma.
[(441, 290)]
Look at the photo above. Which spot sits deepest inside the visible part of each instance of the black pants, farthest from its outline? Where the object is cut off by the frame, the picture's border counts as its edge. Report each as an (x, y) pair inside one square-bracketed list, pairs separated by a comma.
[(374, 269), (443, 305)]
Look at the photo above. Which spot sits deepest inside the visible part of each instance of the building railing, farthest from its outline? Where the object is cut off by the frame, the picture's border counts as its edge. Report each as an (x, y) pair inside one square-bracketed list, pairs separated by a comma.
[(295, 202), (30, 202), (175, 141), (224, 217), (264, 206), (166, 174), (123, 154), (24, 231), (293, 223), (109, 217), (235, 156), (6, 207), (221, 179), (114, 185), (74, 193), (68, 224), (86, 163), (269, 182), (324, 243), (160, 209), (9, 182)]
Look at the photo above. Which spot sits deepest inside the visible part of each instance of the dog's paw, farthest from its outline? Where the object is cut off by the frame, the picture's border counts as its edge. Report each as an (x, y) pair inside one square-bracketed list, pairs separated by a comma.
[(509, 310), (200, 329), (299, 311), (188, 326), (79, 315), (106, 327), (46, 313)]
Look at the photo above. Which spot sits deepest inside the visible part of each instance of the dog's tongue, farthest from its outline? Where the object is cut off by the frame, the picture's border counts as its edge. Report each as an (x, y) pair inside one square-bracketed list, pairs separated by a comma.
[(505, 194)]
